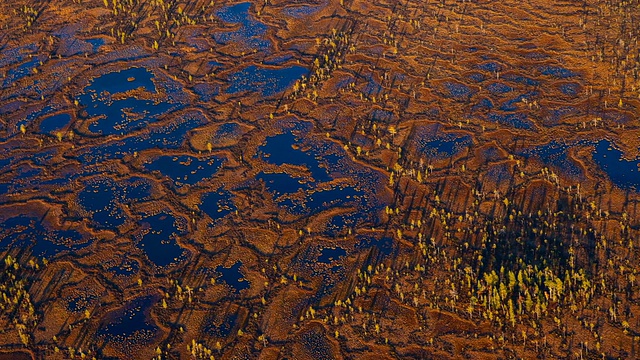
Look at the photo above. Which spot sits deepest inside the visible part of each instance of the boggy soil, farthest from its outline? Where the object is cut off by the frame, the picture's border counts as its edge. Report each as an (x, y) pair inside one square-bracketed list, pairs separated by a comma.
[(319, 180)]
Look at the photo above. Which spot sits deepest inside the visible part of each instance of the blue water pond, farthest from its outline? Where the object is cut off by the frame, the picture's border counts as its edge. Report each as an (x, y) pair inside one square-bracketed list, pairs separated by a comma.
[(622, 172), (250, 32), (28, 232), (121, 115), (266, 81), (185, 169), (159, 239), (233, 277), (217, 204)]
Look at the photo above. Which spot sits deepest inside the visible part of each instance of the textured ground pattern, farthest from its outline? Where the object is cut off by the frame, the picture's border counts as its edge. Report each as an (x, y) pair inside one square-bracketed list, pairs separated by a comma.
[(327, 179)]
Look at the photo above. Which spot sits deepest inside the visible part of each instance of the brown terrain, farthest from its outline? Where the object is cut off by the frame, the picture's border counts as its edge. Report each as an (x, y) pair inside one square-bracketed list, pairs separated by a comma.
[(319, 180)]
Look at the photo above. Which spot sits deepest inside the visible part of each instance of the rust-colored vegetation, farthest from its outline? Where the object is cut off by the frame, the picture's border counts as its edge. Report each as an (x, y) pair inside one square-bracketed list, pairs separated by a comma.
[(319, 180)]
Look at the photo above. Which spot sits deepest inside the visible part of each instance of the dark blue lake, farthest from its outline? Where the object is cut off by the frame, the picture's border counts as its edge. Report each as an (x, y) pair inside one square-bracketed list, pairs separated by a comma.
[(233, 277), (622, 172), (266, 81)]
